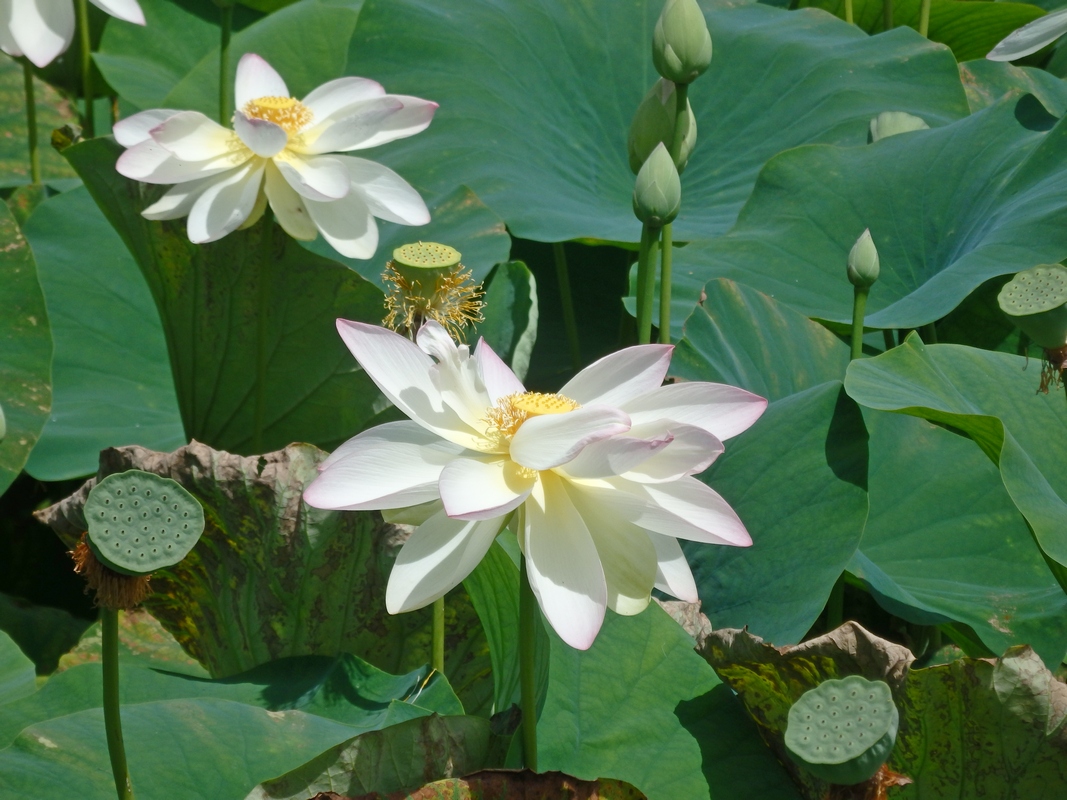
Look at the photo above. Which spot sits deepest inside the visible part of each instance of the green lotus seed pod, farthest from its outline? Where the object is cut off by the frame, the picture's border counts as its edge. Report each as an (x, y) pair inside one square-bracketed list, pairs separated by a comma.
[(139, 522), (890, 123), (863, 267), (422, 262), (657, 190), (1035, 300), (843, 730), (654, 123), (681, 44)]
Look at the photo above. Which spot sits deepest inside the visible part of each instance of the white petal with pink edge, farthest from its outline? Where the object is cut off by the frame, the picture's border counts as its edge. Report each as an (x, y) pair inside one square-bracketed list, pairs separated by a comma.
[(615, 456), (127, 10), (321, 178), (620, 376), (455, 375), (135, 129), (483, 488), (673, 574), (225, 204), (261, 136), (354, 124), (255, 79), (563, 564), (394, 465), (691, 450), (440, 553), (340, 93), (191, 136), (413, 116), (497, 376), (553, 439), (152, 163), (402, 371), (722, 410)]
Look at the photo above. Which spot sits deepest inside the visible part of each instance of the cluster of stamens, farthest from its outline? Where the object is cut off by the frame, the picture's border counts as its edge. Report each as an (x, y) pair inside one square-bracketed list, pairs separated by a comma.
[(286, 112), (506, 417), (455, 301), (1053, 365), (111, 589)]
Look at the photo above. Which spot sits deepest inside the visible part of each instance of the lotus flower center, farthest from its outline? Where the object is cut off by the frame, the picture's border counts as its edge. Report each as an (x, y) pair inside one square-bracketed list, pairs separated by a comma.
[(510, 412), (286, 112)]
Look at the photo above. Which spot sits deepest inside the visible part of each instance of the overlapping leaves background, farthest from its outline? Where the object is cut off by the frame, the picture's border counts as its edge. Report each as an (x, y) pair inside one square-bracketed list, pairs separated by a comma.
[(930, 480)]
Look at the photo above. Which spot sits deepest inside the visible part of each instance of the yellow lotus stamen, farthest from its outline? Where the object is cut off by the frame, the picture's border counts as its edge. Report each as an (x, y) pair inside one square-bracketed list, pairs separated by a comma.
[(111, 589), (286, 112), (505, 418), (454, 300)]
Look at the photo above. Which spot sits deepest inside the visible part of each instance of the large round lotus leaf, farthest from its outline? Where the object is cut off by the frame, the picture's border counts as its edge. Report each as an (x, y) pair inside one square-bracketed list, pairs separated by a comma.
[(535, 118), (139, 522), (943, 220), (844, 729)]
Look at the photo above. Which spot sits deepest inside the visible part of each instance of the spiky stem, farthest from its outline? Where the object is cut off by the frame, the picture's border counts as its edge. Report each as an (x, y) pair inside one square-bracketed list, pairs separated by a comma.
[(88, 128), (109, 655), (570, 323)]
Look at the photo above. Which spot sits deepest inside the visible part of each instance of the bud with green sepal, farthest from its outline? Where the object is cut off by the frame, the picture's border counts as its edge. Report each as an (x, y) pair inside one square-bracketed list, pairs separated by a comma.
[(843, 730), (429, 281), (658, 189), (681, 44), (1036, 301), (654, 123), (862, 272)]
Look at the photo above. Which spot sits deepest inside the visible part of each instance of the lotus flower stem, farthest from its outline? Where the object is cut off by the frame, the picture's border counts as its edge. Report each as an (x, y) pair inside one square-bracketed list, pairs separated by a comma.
[(924, 18), (437, 659), (887, 337), (646, 281), (665, 285), (88, 128), (31, 122), (224, 64), (261, 332), (859, 305), (849, 18), (835, 606), (887, 14), (529, 619), (570, 324), (109, 624), (929, 333)]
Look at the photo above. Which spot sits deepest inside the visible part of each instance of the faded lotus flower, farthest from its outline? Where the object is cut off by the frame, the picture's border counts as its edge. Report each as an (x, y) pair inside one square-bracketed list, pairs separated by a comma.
[(43, 29), (600, 473), (281, 151)]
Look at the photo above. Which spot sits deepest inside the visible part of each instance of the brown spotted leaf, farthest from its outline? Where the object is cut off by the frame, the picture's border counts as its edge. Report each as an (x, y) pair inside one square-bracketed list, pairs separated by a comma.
[(272, 577), (974, 727)]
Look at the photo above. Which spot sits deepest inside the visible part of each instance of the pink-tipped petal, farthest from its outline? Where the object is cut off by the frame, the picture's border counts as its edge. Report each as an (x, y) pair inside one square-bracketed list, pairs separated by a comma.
[(192, 136), (153, 163), (548, 441), (438, 555), (721, 410), (340, 93), (126, 10), (261, 136), (691, 450), (473, 488), (621, 376), (391, 466), (563, 564), (413, 117), (346, 129), (497, 376), (255, 79), (614, 456), (135, 129), (320, 178)]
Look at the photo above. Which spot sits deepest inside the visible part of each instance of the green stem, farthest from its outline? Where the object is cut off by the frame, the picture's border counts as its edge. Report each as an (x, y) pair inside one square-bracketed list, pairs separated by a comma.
[(438, 650), (887, 14), (646, 281), (887, 337), (924, 18), (529, 619), (681, 105), (570, 324), (848, 12), (88, 128), (224, 65), (31, 121), (261, 332), (859, 305), (929, 333), (665, 286), (109, 655)]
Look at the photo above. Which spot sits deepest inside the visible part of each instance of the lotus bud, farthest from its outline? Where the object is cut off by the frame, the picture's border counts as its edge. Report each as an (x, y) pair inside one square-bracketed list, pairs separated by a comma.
[(681, 44), (890, 123), (654, 123), (658, 190), (863, 262)]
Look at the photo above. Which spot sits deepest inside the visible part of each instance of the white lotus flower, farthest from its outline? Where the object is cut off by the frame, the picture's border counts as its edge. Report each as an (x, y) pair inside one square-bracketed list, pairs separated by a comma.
[(281, 151), (43, 29), (601, 473)]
